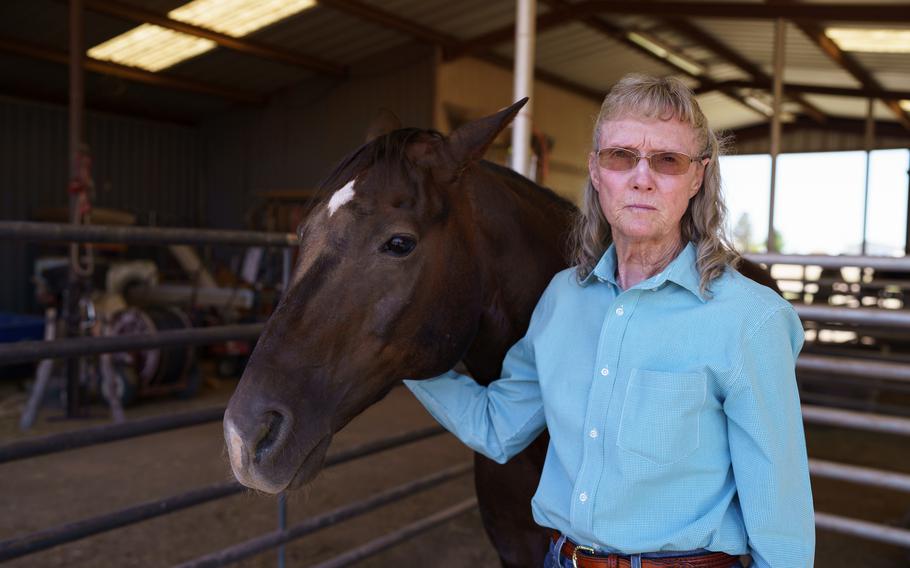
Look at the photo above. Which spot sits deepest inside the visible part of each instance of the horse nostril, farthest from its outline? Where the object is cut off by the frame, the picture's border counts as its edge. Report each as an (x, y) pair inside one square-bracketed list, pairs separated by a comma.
[(273, 421)]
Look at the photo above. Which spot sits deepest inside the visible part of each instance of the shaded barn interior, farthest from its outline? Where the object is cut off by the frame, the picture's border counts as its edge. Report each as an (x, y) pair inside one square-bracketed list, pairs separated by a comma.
[(239, 137)]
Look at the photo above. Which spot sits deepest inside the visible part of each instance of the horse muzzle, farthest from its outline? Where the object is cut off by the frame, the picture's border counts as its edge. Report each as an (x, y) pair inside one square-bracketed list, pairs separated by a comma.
[(258, 448)]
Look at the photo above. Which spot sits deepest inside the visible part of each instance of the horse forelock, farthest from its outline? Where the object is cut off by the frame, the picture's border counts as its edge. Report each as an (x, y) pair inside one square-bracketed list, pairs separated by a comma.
[(386, 156)]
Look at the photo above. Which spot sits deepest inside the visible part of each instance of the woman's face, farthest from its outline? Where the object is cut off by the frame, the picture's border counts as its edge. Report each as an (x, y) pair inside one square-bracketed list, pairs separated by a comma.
[(643, 206)]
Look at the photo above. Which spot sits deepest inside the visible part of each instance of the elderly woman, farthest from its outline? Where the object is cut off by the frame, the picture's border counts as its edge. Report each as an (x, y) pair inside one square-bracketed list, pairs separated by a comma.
[(664, 376)]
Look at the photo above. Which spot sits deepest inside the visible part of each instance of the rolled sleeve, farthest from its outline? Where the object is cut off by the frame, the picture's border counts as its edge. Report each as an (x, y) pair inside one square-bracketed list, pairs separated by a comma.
[(768, 447)]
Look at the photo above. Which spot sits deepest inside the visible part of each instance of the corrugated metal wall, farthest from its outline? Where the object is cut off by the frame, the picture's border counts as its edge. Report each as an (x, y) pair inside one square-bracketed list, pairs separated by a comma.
[(297, 139), (146, 168)]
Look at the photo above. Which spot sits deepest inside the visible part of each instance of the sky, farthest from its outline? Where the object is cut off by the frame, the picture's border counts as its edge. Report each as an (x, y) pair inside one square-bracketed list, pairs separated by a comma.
[(819, 200)]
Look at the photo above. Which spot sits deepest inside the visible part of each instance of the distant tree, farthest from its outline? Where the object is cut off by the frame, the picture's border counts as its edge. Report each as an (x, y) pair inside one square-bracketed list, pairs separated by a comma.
[(742, 233), (778, 241)]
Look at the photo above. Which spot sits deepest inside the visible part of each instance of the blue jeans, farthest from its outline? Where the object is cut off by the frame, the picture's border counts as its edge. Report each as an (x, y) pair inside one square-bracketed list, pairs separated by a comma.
[(555, 560)]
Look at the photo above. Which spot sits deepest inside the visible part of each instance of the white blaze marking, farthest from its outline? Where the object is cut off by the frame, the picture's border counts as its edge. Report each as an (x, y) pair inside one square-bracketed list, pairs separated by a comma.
[(235, 446), (341, 197)]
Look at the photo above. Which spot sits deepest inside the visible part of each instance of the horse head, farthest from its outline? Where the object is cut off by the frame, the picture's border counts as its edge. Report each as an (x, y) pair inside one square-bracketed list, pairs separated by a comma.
[(386, 287)]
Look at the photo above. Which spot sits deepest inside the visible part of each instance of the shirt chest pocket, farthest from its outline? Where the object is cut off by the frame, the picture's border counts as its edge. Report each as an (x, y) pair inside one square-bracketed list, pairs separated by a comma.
[(660, 415)]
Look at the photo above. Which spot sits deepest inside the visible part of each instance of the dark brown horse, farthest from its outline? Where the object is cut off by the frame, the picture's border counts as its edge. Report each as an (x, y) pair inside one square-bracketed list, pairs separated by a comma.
[(424, 256)]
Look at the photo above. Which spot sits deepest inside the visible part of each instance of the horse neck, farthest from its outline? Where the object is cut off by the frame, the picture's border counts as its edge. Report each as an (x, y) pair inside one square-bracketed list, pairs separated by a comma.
[(521, 233)]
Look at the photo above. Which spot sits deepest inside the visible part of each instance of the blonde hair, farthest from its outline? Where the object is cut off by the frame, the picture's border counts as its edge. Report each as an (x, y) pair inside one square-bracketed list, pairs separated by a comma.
[(667, 98)]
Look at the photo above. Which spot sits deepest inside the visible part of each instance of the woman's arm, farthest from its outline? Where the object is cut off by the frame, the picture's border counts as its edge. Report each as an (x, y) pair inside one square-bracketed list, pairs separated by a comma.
[(768, 447), (498, 420), (501, 419)]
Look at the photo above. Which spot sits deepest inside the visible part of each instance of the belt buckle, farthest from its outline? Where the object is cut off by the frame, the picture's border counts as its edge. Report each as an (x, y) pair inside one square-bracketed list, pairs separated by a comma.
[(586, 549)]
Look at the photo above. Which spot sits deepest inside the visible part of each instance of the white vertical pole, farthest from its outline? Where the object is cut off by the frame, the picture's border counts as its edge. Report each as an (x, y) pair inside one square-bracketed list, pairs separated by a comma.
[(780, 31), (869, 143), (525, 20)]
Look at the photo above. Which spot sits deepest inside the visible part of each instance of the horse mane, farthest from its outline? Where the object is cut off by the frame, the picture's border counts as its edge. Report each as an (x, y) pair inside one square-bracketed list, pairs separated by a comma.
[(533, 187), (390, 150), (387, 149)]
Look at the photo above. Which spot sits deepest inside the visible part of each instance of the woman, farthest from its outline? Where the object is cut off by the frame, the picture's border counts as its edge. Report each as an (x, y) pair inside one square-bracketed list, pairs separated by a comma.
[(665, 377)]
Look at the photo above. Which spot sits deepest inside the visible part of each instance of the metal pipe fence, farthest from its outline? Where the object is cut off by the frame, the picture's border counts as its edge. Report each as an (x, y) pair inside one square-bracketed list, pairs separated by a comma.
[(23, 351), (391, 539), (825, 261), (862, 475), (106, 433), (854, 316), (274, 539), (70, 532), (881, 423), (863, 529), (51, 232), (853, 367)]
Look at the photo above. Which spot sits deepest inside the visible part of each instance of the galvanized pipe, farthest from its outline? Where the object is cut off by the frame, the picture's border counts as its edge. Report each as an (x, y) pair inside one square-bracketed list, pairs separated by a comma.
[(76, 139), (852, 367), (861, 475), (863, 529), (36, 350), (869, 144), (34, 231), (857, 420), (62, 534), (107, 433), (828, 261), (854, 316), (523, 84), (271, 540), (780, 35), (404, 533)]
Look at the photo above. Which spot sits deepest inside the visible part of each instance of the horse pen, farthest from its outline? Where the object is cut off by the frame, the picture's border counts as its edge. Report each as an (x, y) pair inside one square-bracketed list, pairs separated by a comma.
[(151, 202)]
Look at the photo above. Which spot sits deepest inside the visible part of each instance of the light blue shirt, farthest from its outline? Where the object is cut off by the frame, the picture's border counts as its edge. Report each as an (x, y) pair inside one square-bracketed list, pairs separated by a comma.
[(674, 418)]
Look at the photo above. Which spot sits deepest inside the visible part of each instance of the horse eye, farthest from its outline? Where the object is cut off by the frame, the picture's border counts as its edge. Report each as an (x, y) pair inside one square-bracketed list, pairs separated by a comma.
[(399, 245)]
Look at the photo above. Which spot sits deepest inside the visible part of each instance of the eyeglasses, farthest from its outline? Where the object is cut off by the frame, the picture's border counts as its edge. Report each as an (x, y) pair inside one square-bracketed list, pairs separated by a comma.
[(621, 159)]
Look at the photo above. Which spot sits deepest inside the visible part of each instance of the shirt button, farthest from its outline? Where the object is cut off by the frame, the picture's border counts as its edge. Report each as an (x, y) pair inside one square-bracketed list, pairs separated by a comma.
[(593, 433), (583, 497), (620, 311), (605, 371), (654, 289)]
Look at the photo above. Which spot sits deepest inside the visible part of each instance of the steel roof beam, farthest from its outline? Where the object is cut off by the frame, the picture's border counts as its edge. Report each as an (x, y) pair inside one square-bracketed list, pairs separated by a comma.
[(388, 20), (132, 73), (880, 13), (721, 49), (446, 42), (848, 63), (567, 13), (840, 124), (619, 34), (801, 88), (249, 47)]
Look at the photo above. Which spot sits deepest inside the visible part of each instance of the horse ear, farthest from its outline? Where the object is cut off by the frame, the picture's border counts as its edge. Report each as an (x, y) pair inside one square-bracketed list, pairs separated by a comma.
[(384, 122), (470, 141)]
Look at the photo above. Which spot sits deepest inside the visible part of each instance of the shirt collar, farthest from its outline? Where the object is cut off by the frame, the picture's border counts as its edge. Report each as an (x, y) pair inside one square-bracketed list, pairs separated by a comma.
[(682, 271)]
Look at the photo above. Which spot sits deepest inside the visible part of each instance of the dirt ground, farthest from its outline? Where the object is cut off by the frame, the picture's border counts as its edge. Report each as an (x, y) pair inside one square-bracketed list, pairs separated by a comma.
[(42, 492)]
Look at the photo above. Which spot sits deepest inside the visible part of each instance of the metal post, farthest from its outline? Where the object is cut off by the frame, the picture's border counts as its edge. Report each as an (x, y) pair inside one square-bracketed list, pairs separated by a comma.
[(907, 232), (869, 144), (780, 30), (285, 270), (76, 105), (523, 84), (282, 524)]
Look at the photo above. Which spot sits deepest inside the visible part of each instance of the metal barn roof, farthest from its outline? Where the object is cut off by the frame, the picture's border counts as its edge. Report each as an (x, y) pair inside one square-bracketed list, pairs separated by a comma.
[(582, 46)]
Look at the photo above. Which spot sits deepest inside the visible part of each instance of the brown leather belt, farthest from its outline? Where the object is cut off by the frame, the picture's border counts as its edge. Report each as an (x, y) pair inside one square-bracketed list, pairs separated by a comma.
[(584, 557)]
